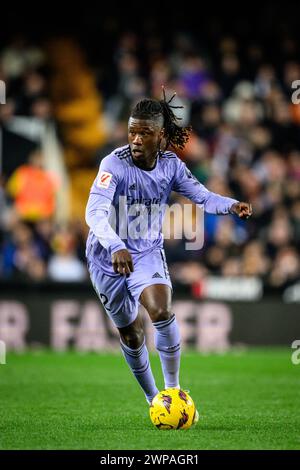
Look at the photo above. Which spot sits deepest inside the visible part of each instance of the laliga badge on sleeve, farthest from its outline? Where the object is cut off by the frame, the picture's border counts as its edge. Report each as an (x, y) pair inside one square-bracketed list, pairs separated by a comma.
[(104, 179)]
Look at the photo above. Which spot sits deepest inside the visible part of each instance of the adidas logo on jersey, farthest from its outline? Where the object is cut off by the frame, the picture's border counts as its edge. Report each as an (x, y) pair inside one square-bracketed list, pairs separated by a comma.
[(156, 275)]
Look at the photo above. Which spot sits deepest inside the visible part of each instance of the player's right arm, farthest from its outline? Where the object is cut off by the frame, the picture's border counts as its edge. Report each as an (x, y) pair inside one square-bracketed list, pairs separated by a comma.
[(122, 262), (97, 213)]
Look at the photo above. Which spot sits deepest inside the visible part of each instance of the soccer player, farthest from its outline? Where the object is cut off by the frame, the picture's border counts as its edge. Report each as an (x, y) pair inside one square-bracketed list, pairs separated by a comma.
[(127, 270)]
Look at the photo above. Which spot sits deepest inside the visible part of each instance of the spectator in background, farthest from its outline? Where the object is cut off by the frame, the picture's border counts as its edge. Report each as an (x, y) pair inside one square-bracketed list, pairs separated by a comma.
[(21, 257), (193, 75), (286, 267), (33, 189), (64, 266), (19, 56)]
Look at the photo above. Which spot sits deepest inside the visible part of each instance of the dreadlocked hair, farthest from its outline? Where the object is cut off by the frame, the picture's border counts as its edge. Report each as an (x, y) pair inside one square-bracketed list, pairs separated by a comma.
[(176, 136)]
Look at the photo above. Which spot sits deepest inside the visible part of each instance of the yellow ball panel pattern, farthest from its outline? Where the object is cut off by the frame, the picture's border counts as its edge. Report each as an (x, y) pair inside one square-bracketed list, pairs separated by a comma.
[(172, 409)]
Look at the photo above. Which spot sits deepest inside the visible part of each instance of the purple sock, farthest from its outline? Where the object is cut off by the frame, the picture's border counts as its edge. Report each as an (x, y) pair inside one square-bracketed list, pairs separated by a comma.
[(138, 361), (167, 342)]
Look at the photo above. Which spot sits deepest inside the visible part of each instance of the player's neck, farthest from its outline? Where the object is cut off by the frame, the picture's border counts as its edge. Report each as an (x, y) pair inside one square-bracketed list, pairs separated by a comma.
[(148, 164)]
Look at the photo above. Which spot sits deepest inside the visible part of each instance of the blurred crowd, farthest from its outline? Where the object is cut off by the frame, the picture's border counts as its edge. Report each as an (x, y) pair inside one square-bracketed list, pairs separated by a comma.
[(245, 144), (34, 244)]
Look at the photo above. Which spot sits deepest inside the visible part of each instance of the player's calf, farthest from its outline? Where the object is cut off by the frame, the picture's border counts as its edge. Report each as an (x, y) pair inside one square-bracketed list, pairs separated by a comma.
[(167, 342)]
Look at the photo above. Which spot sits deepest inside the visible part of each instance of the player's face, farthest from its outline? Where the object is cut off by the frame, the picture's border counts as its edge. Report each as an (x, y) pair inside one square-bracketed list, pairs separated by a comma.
[(144, 137)]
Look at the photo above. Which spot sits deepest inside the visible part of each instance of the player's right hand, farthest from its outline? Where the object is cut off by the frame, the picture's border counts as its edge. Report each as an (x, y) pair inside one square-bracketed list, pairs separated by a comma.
[(122, 262)]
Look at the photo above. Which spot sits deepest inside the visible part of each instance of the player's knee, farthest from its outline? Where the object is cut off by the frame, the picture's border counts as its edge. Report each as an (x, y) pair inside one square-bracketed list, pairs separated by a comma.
[(160, 314), (133, 339)]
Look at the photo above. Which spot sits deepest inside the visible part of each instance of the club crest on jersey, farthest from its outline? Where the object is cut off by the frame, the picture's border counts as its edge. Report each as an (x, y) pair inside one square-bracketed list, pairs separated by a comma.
[(104, 179)]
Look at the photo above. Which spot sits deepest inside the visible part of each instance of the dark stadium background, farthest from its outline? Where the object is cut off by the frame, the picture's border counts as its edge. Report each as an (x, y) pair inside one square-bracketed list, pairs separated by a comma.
[(71, 76)]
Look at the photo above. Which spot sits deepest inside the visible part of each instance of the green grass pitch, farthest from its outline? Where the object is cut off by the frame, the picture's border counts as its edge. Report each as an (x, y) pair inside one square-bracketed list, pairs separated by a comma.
[(248, 399)]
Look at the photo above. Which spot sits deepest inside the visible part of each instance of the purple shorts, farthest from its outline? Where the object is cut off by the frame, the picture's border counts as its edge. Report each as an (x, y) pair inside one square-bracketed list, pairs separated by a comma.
[(120, 294)]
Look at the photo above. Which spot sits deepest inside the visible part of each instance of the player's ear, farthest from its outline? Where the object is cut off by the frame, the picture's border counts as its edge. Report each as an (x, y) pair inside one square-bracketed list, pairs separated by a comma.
[(161, 137), (163, 144)]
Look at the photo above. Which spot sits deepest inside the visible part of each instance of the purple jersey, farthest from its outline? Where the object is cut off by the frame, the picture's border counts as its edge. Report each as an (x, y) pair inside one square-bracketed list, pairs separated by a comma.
[(122, 191)]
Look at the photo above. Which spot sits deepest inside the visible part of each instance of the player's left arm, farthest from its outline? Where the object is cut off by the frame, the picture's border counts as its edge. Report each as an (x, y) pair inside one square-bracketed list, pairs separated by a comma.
[(185, 183)]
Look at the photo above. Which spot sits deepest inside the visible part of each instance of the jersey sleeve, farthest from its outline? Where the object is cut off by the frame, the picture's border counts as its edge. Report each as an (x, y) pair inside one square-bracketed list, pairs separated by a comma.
[(186, 184), (108, 178), (98, 206)]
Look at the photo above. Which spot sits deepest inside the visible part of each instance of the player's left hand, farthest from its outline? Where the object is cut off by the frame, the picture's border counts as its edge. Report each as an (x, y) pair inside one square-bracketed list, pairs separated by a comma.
[(242, 209)]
